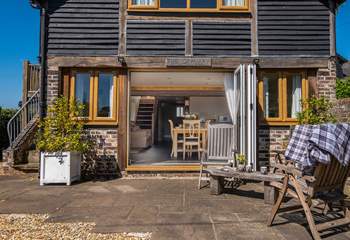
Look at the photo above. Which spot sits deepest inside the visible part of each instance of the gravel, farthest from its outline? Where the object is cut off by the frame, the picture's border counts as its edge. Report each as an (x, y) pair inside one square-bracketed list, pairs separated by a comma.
[(35, 227)]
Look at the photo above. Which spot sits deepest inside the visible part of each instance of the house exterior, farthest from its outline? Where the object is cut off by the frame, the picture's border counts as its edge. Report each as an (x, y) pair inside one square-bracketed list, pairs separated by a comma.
[(120, 51)]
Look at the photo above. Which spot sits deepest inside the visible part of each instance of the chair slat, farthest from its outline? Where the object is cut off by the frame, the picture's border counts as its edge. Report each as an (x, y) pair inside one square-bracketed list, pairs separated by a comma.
[(330, 177), (220, 141)]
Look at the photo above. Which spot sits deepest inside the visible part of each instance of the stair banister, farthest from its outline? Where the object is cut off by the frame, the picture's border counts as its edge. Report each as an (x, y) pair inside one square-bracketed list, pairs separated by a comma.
[(28, 112)]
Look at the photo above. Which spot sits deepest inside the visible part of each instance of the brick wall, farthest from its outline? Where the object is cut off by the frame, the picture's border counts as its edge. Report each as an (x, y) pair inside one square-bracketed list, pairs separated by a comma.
[(342, 110), (270, 139), (102, 160), (52, 85), (326, 80)]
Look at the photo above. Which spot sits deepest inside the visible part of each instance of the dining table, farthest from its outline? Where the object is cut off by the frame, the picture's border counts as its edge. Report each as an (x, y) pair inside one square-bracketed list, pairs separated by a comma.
[(178, 131)]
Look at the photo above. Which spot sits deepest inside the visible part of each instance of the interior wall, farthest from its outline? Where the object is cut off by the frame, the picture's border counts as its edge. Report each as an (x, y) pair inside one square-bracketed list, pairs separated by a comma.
[(209, 107)]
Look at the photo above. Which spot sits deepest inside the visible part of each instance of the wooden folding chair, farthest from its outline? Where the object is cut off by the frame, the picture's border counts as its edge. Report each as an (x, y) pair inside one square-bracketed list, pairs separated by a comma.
[(326, 184), (220, 148)]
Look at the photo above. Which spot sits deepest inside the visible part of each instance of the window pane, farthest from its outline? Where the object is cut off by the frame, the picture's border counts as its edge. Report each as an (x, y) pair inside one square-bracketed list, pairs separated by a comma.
[(294, 83), (82, 91), (173, 3), (271, 107), (143, 2), (105, 95), (203, 4), (233, 3)]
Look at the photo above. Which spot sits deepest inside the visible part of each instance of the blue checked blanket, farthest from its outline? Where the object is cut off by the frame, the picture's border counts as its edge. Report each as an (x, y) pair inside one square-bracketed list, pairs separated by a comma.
[(312, 144)]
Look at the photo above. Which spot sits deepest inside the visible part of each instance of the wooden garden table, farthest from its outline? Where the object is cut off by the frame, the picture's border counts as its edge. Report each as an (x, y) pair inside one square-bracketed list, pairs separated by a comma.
[(217, 177)]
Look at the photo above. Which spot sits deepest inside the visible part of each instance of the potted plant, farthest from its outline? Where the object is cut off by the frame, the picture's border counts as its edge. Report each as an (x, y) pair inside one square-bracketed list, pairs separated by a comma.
[(61, 142), (241, 162)]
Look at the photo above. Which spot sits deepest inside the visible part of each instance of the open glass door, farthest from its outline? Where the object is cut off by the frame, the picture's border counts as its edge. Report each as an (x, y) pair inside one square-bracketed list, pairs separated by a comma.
[(241, 92), (251, 115)]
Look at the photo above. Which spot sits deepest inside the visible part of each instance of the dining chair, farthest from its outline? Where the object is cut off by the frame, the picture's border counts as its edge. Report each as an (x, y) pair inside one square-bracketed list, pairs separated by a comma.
[(174, 142), (191, 137)]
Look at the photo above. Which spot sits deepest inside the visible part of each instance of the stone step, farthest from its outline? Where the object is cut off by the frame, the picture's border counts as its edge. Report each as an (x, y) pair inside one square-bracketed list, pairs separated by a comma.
[(27, 168)]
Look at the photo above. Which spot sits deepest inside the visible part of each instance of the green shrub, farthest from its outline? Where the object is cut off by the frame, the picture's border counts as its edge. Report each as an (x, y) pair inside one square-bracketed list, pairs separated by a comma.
[(343, 88), (61, 129), (316, 111), (5, 116)]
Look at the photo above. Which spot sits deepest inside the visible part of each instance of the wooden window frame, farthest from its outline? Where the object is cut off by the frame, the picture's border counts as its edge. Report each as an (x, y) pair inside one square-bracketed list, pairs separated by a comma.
[(93, 119), (143, 7), (283, 119), (219, 7)]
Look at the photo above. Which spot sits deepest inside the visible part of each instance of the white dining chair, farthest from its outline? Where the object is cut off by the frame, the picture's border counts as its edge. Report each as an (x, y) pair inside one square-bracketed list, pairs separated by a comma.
[(220, 149)]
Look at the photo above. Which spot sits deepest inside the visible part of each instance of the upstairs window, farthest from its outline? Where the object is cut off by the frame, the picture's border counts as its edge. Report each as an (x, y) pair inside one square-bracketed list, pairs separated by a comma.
[(143, 4), (233, 3), (189, 5)]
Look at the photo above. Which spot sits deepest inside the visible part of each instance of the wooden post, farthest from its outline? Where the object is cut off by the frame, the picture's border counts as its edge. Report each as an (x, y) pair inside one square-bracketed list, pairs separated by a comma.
[(332, 19), (25, 84), (122, 27), (123, 120), (188, 38), (254, 28)]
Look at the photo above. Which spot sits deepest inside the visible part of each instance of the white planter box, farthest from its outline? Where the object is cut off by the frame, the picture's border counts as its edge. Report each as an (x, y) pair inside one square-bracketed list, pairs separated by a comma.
[(59, 168)]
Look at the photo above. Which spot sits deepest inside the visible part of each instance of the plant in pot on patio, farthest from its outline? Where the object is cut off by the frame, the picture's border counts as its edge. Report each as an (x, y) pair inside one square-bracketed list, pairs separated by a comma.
[(241, 162), (61, 142)]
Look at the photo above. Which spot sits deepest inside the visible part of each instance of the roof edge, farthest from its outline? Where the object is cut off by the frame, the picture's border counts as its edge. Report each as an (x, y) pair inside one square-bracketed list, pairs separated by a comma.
[(37, 3)]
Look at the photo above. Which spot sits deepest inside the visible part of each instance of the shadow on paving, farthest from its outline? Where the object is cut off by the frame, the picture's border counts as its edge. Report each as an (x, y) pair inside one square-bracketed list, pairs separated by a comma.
[(170, 209)]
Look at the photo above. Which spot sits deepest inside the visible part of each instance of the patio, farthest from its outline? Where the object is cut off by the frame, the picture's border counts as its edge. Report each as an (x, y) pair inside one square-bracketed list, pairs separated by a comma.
[(168, 208)]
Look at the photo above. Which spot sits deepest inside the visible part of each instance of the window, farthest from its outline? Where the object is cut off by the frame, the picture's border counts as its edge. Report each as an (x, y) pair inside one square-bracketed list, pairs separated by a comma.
[(143, 4), (82, 91), (179, 111), (233, 3), (105, 95), (280, 95), (189, 5), (97, 91)]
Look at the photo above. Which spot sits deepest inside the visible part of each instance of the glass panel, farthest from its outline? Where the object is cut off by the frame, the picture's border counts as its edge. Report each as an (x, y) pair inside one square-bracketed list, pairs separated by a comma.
[(82, 91), (143, 2), (179, 111), (105, 95), (294, 83), (233, 3), (203, 4), (173, 3), (271, 106)]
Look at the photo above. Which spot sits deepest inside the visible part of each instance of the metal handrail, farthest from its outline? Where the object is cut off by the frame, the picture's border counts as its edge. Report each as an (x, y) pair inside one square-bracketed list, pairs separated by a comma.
[(24, 115)]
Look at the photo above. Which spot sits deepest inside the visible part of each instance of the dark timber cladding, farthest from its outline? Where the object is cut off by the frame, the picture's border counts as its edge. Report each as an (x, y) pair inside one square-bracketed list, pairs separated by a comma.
[(293, 27), (149, 38), (221, 38), (83, 27)]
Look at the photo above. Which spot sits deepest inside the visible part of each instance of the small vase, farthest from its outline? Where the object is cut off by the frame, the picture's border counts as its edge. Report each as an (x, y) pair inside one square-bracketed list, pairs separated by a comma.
[(248, 168), (241, 167)]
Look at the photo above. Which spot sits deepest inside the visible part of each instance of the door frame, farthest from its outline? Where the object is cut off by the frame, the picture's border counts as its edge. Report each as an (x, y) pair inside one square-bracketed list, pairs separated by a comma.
[(154, 168)]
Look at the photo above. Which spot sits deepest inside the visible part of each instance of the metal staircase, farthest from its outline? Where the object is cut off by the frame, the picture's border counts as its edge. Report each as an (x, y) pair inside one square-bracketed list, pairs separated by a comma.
[(23, 121), (22, 126)]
